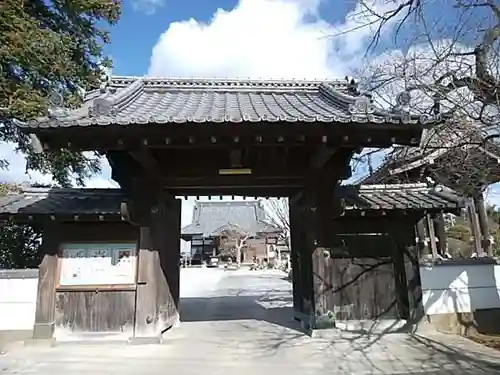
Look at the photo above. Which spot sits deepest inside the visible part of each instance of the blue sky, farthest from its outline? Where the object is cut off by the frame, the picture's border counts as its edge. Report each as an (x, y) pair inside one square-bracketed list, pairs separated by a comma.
[(291, 39), (144, 21)]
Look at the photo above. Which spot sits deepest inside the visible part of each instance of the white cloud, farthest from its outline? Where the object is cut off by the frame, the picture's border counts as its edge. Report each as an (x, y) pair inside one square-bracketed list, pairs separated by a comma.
[(265, 39), (148, 7)]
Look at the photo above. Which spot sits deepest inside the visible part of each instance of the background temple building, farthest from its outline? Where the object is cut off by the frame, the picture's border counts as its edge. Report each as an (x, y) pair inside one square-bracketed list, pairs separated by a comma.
[(211, 218)]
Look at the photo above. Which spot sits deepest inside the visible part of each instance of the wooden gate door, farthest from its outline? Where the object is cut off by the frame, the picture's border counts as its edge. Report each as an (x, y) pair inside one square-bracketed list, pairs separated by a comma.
[(362, 279)]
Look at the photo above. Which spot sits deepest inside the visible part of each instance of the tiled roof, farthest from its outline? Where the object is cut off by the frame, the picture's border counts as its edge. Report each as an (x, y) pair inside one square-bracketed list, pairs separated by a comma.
[(43, 201), (210, 216), (399, 197), (142, 100)]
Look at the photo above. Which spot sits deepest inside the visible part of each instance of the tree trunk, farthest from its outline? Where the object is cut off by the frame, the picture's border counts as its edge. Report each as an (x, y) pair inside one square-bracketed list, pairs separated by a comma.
[(238, 256)]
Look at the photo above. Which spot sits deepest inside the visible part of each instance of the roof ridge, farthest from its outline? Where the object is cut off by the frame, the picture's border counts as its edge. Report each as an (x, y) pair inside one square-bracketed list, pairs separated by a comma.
[(230, 80), (415, 185)]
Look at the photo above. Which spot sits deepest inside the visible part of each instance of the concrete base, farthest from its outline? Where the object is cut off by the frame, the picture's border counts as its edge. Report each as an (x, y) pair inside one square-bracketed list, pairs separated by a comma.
[(14, 337), (43, 330), (306, 321), (40, 342), (145, 340)]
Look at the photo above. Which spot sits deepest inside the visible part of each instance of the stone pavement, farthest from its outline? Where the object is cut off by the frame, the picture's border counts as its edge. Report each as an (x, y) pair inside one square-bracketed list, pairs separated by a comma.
[(242, 324)]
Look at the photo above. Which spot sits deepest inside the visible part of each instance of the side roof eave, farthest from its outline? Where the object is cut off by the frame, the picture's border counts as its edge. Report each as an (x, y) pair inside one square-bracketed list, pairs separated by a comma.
[(97, 203)]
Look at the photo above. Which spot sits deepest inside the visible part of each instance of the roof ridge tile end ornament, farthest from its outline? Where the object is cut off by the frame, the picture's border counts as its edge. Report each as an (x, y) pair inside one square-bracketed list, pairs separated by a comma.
[(356, 104), (360, 104), (110, 102)]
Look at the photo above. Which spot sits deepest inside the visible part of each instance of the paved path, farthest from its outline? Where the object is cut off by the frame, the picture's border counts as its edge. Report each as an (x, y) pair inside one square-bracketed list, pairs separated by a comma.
[(240, 323)]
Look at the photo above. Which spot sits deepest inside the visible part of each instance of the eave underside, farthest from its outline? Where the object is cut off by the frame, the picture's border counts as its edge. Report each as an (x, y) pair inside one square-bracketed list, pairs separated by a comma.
[(182, 135)]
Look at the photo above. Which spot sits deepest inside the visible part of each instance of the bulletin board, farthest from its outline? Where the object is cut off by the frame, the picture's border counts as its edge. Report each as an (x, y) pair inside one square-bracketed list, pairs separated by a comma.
[(84, 264)]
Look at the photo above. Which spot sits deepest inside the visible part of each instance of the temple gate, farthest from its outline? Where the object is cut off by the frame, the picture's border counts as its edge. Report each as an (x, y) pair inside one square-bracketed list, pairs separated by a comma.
[(170, 137), (371, 274)]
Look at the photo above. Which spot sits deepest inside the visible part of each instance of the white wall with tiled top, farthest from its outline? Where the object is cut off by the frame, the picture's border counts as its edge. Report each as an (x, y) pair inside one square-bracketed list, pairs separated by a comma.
[(460, 287), (18, 292)]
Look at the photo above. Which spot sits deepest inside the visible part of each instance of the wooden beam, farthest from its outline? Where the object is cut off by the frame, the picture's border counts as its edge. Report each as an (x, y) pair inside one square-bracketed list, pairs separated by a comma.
[(228, 182), (147, 161), (322, 156), (235, 191)]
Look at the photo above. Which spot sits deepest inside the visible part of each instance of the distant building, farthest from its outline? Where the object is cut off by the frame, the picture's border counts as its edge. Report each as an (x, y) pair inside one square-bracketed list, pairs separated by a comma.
[(210, 217)]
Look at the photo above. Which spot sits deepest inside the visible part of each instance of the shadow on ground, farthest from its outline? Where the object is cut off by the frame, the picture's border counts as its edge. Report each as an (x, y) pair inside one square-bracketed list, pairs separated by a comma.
[(274, 308)]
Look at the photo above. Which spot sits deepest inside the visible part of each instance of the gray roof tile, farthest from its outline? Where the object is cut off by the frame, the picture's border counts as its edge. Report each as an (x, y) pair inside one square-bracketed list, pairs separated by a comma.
[(210, 216), (43, 201), (400, 197), (141, 100)]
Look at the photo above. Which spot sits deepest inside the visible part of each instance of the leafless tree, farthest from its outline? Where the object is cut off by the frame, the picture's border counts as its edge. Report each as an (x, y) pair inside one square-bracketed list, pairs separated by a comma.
[(445, 54), (236, 237), (450, 53), (278, 210)]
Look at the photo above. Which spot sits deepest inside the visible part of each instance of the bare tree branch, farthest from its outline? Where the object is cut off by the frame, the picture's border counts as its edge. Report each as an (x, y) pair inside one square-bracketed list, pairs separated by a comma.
[(449, 61), (279, 213)]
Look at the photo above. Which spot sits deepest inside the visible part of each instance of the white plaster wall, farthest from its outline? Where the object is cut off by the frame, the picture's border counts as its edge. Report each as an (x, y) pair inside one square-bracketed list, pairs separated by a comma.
[(17, 303), (460, 288)]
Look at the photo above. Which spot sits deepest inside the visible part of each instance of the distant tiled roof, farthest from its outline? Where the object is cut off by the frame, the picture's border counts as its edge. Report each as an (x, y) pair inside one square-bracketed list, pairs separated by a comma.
[(142, 100), (210, 216)]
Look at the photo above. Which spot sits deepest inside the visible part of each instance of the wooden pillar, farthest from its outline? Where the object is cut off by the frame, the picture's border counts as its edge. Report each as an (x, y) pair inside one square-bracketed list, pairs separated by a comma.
[(315, 261), (432, 236), (475, 229), (166, 229), (146, 313), (47, 281), (483, 224), (296, 234), (421, 237), (406, 258), (157, 296), (440, 232), (411, 259), (400, 240)]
